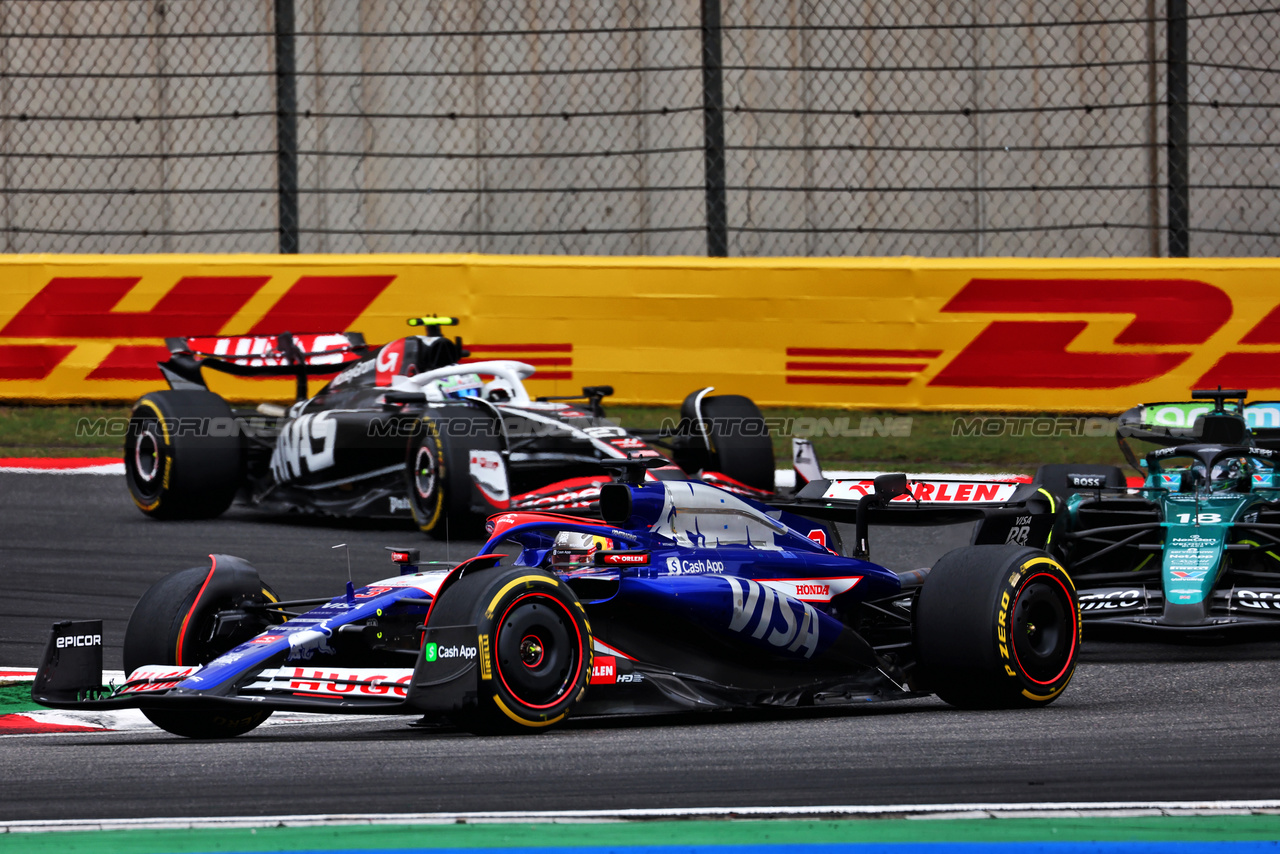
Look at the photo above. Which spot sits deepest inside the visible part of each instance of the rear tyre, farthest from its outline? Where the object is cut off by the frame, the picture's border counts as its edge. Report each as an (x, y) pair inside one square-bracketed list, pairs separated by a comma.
[(183, 456), (737, 437), (535, 642), (173, 625), (438, 473), (997, 627)]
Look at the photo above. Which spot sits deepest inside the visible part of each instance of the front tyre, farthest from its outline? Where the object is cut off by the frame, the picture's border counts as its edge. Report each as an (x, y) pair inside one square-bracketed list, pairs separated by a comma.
[(535, 647), (997, 627), (175, 623)]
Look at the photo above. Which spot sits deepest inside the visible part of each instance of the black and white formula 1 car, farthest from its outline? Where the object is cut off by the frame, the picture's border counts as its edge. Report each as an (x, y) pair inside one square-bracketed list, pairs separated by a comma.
[(683, 597), (407, 430)]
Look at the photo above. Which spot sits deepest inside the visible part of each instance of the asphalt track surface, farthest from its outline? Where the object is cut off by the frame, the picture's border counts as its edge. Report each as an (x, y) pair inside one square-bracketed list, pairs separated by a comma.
[(1139, 722)]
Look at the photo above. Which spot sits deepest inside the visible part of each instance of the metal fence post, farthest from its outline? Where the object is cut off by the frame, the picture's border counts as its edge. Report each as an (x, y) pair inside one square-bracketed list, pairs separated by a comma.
[(713, 130), (1178, 154), (286, 128)]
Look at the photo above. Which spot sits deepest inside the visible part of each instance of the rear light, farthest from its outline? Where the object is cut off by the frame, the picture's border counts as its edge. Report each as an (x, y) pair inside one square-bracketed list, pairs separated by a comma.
[(406, 559)]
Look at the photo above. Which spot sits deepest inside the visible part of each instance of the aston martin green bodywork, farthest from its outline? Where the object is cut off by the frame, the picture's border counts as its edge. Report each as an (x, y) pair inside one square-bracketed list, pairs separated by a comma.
[(1194, 550)]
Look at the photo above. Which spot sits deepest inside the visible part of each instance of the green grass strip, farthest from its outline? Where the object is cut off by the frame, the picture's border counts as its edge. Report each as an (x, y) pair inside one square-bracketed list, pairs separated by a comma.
[(62, 431), (1221, 828), (924, 441), (17, 698), (879, 439)]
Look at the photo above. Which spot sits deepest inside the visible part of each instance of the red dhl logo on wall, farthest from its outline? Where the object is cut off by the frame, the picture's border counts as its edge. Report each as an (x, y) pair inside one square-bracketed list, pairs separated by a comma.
[(1004, 341), (80, 309), (1175, 315), (553, 361)]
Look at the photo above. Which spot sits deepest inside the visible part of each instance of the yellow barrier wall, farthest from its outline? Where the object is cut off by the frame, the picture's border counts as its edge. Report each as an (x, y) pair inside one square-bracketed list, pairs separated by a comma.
[(1091, 335)]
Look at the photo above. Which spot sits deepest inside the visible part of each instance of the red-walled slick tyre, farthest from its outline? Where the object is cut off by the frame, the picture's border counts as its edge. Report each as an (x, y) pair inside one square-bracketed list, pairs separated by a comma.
[(534, 647), (997, 627), (173, 624)]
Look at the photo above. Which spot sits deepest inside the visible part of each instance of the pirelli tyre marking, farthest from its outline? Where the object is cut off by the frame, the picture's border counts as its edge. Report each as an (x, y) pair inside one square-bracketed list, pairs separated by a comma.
[(182, 455), (1026, 645), (428, 477), (537, 651), (493, 603), (161, 457), (486, 665), (525, 721)]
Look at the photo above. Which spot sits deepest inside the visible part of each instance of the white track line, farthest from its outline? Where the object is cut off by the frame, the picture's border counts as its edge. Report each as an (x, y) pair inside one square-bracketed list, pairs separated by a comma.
[(1048, 809), (105, 468)]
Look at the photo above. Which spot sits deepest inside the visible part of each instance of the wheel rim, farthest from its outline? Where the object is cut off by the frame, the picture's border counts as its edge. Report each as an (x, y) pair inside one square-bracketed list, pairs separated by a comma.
[(539, 651), (424, 472), (199, 646), (1043, 629), (146, 456), (532, 651)]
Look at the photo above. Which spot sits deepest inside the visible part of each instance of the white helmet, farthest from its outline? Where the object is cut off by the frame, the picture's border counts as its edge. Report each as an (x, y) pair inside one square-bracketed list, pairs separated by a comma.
[(499, 391)]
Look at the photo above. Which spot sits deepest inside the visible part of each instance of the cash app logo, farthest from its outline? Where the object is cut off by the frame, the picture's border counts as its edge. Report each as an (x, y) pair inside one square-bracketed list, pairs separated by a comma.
[(430, 652)]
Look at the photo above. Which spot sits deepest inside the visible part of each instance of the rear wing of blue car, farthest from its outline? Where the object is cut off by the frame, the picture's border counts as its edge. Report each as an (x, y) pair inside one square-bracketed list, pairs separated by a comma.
[(1007, 509), (283, 355)]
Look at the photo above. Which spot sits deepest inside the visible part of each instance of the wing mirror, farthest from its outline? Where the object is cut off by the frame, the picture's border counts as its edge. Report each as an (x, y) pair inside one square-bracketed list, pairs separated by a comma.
[(884, 488), (890, 486)]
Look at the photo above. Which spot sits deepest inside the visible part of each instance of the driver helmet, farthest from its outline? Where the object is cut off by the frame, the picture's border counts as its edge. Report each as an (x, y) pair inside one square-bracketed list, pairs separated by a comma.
[(1230, 475), (574, 549), (499, 391), (460, 385)]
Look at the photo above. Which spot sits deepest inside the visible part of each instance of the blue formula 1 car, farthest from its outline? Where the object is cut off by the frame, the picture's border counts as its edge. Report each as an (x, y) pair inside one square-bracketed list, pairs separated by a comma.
[(683, 597)]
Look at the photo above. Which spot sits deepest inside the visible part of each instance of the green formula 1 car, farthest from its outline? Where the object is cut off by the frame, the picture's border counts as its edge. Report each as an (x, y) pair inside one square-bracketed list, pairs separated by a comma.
[(1195, 550)]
